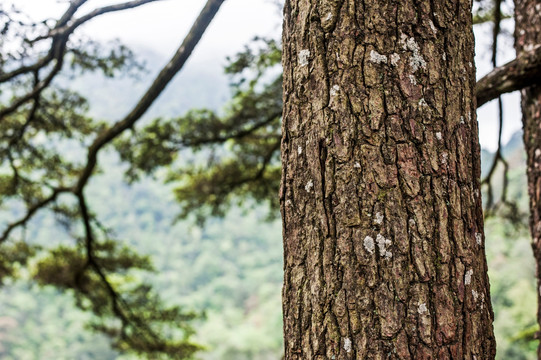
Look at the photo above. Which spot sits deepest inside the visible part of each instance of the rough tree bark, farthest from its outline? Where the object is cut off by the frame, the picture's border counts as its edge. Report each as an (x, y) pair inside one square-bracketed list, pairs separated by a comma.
[(527, 37), (381, 209)]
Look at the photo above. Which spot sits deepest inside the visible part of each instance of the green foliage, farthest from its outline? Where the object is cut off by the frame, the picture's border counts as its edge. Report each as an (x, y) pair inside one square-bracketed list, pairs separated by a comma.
[(230, 270), (13, 257), (235, 155), (45, 130), (115, 60), (483, 12), (509, 256), (513, 290), (65, 267)]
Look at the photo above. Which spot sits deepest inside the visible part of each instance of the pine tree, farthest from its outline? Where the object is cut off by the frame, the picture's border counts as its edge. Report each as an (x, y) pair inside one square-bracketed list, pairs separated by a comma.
[(381, 209)]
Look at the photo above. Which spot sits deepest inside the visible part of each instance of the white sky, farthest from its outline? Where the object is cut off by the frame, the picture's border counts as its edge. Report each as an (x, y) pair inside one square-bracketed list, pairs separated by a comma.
[(161, 27)]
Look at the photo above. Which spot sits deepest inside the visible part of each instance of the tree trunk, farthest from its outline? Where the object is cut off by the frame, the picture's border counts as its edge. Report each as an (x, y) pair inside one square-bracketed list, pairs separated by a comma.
[(381, 208), (527, 36)]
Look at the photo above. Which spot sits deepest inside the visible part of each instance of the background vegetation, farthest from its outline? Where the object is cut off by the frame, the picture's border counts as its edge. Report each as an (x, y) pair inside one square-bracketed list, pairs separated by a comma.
[(229, 269)]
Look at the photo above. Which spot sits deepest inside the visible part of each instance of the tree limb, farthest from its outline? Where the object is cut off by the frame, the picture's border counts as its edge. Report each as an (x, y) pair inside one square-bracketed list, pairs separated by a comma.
[(161, 81), (31, 211), (520, 73), (70, 27), (63, 29)]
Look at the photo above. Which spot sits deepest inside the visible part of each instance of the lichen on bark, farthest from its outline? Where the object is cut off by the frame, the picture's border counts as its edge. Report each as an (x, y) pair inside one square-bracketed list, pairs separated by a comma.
[(377, 251)]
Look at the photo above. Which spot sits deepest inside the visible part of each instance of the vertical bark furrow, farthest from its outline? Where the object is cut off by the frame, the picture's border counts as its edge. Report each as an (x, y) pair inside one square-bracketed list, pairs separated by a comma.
[(380, 194)]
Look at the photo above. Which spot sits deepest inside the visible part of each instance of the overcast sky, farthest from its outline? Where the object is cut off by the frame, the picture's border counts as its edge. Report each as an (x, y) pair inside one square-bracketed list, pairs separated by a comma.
[(161, 27)]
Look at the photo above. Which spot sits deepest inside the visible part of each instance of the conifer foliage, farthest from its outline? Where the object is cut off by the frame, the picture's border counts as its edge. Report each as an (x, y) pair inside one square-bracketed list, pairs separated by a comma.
[(49, 151)]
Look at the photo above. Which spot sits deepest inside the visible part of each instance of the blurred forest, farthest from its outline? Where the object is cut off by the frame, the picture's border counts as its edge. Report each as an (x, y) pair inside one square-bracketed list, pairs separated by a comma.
[(224, 262)]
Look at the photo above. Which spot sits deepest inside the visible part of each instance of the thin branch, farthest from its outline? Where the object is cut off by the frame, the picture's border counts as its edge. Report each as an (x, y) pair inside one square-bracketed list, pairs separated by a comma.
[(39, 87), (497, 15), (64, 29), (518, 74), (498, 156), (72, 9), (260, 173), (161, 81), (117, 303), (74, 6), (491, 208), (31, 211), (239, 134), (70, 27)]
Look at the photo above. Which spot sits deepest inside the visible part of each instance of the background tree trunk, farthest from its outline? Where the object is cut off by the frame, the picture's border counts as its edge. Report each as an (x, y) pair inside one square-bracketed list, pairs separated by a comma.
[(527, 36), (381, 208)]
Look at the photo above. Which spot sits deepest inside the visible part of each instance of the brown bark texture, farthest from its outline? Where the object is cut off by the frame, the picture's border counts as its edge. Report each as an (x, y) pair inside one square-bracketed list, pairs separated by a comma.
[(381, 208), (527, 37)]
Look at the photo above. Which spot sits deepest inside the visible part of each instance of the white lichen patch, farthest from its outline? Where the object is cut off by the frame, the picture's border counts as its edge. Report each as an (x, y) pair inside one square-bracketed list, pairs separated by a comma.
[(411, 222), (403, 41), (444, 57), (422, 309), (395, 58), (478, 238), (309, 185), (470, 64), (462, 120), (529, 47), (432, 27), (378, 218), (334, 90), (416, 59), (299, 150), (444, 158), (382, 245), (347, 344), (288, 202), (423, 103), (413, 80), (467, 277), (537, 153), (475, 294), (357, 165), (369, 244), (438, 136), (304, 57), (377, 57), (328, 17)]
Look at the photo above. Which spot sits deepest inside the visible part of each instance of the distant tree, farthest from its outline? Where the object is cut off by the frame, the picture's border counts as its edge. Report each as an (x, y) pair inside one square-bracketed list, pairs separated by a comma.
[(39, 175), (528, 38)]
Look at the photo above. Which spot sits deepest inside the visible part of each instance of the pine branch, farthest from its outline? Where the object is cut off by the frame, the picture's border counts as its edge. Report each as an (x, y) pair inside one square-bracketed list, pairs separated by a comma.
[(518, 74), (159, 84)]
